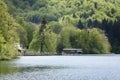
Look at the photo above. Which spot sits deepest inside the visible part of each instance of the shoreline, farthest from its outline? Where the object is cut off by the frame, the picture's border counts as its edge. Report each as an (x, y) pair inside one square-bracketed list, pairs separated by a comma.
[(57, 54)]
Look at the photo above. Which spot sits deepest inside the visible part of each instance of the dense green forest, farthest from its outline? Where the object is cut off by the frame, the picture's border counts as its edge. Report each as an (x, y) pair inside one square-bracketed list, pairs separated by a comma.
[(93, 25), (8, 33)]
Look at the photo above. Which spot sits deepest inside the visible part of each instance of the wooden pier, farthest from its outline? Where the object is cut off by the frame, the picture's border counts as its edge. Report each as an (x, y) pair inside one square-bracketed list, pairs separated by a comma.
[(71, 51)]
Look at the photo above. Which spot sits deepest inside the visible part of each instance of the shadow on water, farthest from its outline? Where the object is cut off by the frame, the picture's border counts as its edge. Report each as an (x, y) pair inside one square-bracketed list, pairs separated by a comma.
[(39, 68), (7, 67)]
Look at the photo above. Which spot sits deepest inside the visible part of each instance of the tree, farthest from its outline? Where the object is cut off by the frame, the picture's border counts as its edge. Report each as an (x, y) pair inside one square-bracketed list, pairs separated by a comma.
[(44, 40), (8, 34), (90, 40), (103, 14), (42, 34), (27, 30)]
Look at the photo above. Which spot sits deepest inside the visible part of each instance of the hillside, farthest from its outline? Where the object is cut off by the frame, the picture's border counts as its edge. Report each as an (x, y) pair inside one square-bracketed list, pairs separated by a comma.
[(65, 15), (33, 10)]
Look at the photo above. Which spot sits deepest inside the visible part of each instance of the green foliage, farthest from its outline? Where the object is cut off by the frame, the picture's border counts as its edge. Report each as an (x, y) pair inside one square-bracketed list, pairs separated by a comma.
[(90, 40), (26, 34), (8, 51), (50, 42), (8, 34), (35, 44), (83, 14), (68, 20), (55, 27), (93, 41), (34, 10)]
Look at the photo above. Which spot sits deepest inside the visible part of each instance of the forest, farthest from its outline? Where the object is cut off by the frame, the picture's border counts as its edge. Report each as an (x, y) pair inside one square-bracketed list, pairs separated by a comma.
[(93, 25)]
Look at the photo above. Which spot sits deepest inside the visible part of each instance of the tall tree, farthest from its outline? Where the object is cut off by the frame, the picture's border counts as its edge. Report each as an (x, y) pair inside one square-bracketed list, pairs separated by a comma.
[(8, 33), (42, 34)]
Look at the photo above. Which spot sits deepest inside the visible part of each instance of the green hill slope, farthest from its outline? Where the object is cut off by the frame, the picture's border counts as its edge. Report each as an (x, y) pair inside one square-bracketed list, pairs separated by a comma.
[(103, 14)]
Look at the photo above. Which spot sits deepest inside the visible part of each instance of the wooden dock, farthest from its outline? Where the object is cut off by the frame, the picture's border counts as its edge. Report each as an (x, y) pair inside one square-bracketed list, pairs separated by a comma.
[(71, 51)]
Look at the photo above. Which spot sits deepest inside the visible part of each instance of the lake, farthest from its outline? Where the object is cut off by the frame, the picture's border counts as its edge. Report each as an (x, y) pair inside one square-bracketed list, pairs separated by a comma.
[(84, 67)]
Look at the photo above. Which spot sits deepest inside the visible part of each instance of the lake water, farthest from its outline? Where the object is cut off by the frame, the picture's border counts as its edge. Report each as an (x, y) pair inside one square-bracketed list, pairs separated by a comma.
[(85, 67)]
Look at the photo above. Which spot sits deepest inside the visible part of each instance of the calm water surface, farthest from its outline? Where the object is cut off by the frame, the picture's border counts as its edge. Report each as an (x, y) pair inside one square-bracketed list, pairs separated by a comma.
[(94, 67)]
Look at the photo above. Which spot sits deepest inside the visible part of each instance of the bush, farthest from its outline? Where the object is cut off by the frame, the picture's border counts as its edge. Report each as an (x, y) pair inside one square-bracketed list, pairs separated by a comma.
[(50, 42), (90, 40)]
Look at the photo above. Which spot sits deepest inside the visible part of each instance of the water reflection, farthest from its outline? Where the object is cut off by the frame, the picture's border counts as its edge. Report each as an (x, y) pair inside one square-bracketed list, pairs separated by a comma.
[(38, 68), (7, 67), (61, 68)]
